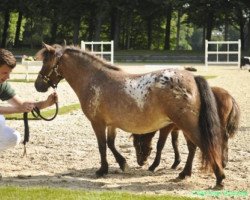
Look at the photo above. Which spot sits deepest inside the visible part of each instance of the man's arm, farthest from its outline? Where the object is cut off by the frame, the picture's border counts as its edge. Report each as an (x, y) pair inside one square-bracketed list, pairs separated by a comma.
[(17, 106), (52, 98), (20, 106)]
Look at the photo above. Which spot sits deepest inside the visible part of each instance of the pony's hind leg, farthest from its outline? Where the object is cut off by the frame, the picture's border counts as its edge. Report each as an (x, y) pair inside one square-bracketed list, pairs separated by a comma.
[(211, 135), (187, 171), (220, 176), (99, 130), (111, 144), (175, 143)]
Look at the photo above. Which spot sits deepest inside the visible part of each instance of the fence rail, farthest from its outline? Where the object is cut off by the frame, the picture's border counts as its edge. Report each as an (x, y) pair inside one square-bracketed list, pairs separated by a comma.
[(29, 64)]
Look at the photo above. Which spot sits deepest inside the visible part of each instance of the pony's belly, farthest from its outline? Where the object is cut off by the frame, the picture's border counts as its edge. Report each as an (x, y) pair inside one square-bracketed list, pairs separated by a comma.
[(145, 126)]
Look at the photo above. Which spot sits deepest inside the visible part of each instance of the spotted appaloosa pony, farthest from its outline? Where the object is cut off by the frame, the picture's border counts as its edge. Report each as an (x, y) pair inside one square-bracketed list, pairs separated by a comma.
[(229, 114), (139, 103)]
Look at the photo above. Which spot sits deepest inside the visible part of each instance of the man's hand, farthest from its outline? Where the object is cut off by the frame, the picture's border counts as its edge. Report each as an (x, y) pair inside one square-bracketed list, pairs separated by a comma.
[(27, 107), (52, 99)]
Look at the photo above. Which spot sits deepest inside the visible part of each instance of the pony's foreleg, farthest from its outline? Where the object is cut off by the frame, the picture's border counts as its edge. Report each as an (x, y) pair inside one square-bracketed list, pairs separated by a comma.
[(175, 143), (187, 171), (111, 144), (99, 130), (160, 145)]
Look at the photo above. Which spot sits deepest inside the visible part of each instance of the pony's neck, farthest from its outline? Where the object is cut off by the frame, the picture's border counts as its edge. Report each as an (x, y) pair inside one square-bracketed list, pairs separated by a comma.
[(77, 71)]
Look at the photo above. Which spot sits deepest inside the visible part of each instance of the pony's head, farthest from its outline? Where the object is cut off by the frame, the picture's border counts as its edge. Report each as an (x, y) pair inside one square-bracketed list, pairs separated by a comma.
[(49, 75), (142, 144)]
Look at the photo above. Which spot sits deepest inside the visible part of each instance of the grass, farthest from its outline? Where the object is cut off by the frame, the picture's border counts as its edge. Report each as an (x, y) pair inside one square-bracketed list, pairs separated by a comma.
[(45, 113), (210, 77), (158, 52), (41, 193), (23, 73), (32, 52), (146, 53), (21, 80)]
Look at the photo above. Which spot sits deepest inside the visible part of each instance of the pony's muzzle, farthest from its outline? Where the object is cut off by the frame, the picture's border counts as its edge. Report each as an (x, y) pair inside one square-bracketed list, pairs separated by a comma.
[(41, 86), (141, 162)]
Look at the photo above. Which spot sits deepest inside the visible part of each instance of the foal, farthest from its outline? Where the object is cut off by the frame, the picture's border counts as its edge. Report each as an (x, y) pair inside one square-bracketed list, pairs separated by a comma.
[(229, 114)]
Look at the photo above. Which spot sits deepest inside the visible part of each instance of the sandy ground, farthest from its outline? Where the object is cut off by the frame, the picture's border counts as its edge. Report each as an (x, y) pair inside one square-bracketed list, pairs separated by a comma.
[(64, 152)]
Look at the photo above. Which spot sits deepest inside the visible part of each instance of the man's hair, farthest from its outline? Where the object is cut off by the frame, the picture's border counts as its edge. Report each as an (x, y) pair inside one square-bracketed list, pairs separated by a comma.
[(7, 58)]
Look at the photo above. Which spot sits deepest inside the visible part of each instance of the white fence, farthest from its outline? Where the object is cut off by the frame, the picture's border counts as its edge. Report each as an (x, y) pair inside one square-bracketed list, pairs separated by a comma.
[(222, 52), (102, 49), (31, 67)]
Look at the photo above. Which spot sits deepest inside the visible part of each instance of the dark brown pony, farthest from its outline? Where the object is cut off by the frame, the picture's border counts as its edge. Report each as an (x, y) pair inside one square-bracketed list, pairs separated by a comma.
[(139, 103), (229, 114)]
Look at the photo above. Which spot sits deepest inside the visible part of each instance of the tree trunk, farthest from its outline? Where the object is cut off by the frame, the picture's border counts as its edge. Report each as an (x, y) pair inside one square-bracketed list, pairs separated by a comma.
[(91, 26), (226, 28), (203, 37), (18, 28), (242, 25), (210, 21), (169, 10), (128, 30), (149, 32), (77, 22), (5, 28), (98, 26), (115, 27), (54, 26), (242, 36), (248, 38), (178, 30)]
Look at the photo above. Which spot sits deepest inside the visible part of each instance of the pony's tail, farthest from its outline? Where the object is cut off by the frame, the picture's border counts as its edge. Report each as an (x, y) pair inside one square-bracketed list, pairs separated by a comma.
[(209, 124), (233, 120)]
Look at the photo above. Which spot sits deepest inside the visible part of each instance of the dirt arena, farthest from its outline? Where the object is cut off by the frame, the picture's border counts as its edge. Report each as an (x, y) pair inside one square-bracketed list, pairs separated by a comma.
[(64, 152)]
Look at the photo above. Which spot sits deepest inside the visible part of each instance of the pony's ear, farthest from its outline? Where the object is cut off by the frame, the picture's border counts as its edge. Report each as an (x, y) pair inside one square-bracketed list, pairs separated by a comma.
[(49, 48)]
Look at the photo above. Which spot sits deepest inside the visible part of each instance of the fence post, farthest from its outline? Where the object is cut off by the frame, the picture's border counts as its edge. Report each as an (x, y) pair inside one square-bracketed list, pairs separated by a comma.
[(206, 55), (239, 52), (112, 51)]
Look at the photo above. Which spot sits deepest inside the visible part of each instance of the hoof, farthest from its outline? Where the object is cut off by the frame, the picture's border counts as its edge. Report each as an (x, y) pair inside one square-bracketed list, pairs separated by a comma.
[(125, 167), (219, 186), (151, 168), (183, 175), (176, 163), (141, 163), (100, 173)]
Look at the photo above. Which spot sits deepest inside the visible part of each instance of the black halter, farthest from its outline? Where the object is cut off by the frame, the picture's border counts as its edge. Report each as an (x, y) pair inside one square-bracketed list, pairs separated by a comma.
[(47, 78), (54, 69)]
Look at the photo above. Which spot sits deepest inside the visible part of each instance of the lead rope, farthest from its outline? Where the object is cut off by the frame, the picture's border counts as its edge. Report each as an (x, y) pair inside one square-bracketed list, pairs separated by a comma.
[(26, 132), (36, 113)]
